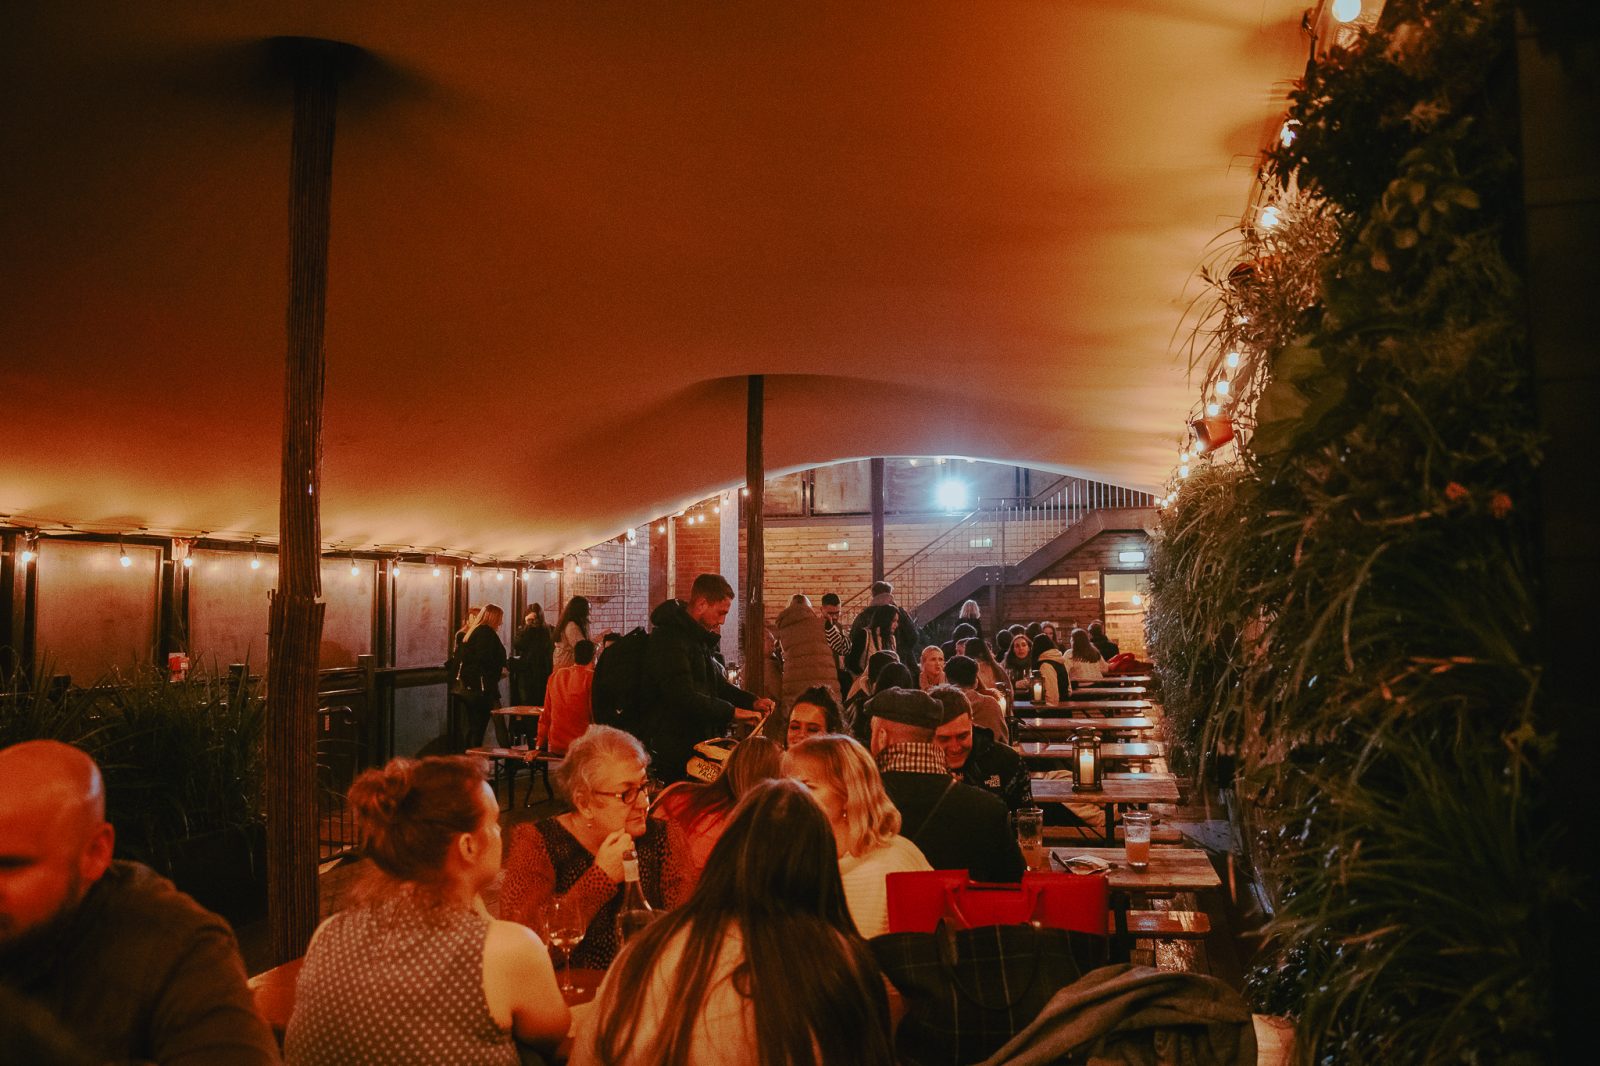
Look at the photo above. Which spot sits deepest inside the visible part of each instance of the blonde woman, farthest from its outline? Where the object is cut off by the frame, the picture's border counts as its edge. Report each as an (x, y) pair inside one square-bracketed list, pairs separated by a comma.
[(483, 662), (866, 826)]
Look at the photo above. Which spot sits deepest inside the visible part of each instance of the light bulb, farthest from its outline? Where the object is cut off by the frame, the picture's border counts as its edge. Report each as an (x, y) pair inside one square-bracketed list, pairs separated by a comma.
[(499, 575), (1270, 217), (1213, 410), (355, 570), (1137, 599), (27, 555), (662, 528), (1346, 10), (1183, 457), (255, 562), (1232, 360), (744, 492), (122, 557), (1287, 134), (436, 571), (578, 569), (1222, 386), (1183, 471), (188, 562), (716, 509), (467, 573), (1199, 446)]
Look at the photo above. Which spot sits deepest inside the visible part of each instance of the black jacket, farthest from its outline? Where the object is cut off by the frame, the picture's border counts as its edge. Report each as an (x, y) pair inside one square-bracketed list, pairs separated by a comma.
[(996, 768), (535, 661), (687, 699), (970, 831), (483, 656), (907, 640)]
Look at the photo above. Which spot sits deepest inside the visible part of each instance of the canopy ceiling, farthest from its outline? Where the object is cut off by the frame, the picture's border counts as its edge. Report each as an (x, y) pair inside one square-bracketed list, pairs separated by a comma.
[(563, 232)]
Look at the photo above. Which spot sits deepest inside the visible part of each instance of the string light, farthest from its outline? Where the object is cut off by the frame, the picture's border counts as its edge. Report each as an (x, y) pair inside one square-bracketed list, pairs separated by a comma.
[(122, 555), (716, 508), (436, 571), (1222, 386), (1213, 410), (1232, 360), (1288, 133), (188, 562), (355, 568), (27, 556), (662, 528), (1183, 471), (1199, 447), (1270, 217), (467, 573)]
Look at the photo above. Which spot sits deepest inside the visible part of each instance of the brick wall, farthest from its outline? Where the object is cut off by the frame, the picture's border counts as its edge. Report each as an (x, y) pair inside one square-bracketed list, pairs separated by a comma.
[(699, 551), (1063, 605), (616, 578)]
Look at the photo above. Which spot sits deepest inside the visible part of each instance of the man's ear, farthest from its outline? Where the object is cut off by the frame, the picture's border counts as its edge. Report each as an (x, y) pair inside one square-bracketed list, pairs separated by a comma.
[(95, 858)]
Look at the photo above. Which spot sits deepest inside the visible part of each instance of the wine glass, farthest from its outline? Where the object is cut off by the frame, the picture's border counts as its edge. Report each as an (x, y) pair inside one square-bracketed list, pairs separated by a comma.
[(563, 932)]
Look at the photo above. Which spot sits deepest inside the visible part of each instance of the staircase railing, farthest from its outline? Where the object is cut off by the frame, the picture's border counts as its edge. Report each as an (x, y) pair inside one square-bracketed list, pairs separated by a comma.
[(1001, 532)]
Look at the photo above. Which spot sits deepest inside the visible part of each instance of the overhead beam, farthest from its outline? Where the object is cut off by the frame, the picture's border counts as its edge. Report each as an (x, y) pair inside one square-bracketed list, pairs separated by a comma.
[(877, 519)]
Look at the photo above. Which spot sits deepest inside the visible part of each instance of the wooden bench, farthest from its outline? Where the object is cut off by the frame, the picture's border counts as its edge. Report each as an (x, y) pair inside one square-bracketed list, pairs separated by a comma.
[(1168, 925), (1073, 834)]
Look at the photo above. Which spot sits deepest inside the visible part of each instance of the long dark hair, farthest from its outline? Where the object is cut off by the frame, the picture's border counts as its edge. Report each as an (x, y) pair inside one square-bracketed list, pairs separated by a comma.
[(774, 874), (576, 610)]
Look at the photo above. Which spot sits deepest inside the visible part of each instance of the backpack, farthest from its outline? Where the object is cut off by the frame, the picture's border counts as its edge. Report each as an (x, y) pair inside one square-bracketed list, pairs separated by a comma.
[(619, 682)]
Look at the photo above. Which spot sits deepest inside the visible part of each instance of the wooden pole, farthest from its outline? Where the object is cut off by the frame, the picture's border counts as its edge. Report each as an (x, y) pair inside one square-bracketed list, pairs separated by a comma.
[(755, 561), (876, 466), (295, 635)]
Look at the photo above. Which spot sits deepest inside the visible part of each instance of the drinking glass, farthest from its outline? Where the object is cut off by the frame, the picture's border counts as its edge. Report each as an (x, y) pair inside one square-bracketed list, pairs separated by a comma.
[(1136, 837), (563, 932), (1029, 824)]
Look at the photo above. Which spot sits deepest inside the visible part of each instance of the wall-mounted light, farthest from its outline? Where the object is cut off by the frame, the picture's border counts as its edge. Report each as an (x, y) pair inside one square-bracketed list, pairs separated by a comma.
[(1130, 557), (951, 494), (1212, 433)]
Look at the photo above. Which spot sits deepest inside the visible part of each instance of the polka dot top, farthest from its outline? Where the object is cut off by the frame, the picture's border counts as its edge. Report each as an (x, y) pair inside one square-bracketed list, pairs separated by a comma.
[(394, 982)]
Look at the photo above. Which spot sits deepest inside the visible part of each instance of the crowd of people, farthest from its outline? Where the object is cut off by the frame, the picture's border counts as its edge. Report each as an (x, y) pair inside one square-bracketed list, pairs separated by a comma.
[(876, 754)]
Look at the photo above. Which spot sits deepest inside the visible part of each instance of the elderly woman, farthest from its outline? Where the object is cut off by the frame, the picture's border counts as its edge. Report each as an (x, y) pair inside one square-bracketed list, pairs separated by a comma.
[(866, 826), (577, 855), (417, 947)]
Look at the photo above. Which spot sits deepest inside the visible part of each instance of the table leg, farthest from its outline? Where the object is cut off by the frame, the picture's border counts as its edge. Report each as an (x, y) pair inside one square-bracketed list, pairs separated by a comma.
[(1120, 948), (1111, 825)]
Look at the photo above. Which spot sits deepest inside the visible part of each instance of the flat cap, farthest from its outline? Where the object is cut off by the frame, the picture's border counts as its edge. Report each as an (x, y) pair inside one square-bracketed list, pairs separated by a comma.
[(908, 706)]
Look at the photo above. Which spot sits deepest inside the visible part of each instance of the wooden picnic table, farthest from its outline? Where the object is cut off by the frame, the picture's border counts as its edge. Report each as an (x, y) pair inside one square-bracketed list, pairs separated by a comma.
[(1089, 706), (1172, 869), (1113, 680), (1107, 692), (1051, 750), (1119, 790), (1062, 728)]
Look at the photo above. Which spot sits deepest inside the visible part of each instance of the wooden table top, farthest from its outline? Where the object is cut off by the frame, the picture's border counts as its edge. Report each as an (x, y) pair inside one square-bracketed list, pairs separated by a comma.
[(1091, 706), (1117, 679), (1067, 725), (524, 754), (1055, 749), (1119, 788), (519, 712), (1107, 692), (1172, 869)]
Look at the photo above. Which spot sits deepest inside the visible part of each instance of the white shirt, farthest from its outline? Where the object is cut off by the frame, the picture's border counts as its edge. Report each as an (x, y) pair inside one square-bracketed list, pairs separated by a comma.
[(865, 887)]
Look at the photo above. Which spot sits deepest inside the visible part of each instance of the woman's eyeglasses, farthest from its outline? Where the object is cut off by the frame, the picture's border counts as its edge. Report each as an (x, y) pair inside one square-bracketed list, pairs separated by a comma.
[(629, 794)]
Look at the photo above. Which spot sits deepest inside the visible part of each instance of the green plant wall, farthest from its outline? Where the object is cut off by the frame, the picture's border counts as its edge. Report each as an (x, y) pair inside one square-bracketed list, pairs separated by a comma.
[(1343, 615)]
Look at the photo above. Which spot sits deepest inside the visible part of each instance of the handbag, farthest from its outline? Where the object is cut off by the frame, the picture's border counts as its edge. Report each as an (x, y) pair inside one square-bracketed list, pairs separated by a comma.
[(968, 991), (919, 900), (709, 756)]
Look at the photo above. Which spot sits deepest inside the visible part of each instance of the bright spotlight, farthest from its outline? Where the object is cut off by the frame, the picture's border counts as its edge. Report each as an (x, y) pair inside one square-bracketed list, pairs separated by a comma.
[(951, 494)]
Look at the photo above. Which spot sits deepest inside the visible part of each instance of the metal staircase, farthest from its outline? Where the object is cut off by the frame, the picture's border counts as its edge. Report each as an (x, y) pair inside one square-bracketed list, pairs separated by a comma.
[(1003, 538)]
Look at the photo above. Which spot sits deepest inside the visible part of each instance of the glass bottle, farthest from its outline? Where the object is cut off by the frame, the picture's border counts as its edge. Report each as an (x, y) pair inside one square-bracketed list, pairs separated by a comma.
[(635, 911)]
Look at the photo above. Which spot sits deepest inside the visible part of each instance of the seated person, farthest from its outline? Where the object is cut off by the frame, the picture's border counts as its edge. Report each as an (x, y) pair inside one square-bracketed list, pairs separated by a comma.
[(932, 667), (1103, 644), (962, 672), (103, 952), (866, 826), (1085, 663), (815, 711), (696, 812), (578, 854), (416, 971), (568, 701), (1019, 664), (956, 826), (1050, 665), (861, 691), (761, 964), (970, 751)]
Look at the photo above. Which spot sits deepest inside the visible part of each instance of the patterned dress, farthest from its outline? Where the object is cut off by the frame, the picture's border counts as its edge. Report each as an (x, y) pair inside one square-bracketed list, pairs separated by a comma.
[(397, 982), (545, 860)]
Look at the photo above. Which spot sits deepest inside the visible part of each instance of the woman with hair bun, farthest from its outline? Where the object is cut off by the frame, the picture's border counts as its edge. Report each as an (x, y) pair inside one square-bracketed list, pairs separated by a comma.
[(415, 970)]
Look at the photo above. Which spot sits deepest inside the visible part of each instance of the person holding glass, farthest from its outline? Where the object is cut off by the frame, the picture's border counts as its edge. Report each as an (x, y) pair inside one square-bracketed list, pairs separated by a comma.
[(578, 855), (762, 964), (415, 970)]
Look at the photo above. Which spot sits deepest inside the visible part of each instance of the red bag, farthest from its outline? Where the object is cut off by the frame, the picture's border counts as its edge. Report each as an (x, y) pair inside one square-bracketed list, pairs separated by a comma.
[(919, 900), (1126, 663)]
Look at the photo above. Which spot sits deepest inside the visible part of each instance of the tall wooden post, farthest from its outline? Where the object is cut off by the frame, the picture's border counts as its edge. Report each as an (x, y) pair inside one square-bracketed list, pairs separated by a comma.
[(876, 466), (755, 556), (295, 636)]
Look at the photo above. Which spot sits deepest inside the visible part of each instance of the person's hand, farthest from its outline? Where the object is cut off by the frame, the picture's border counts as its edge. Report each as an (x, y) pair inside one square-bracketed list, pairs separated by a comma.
[(765, 706), (740, 714), (612, 849)]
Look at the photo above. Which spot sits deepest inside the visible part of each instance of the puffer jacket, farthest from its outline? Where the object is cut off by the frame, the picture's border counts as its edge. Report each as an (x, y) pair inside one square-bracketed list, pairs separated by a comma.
[(807, 657), (686, 697)]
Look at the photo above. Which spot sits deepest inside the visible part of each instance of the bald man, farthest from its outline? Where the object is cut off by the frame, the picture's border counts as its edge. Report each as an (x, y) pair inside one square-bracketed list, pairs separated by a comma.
[(133, 968)]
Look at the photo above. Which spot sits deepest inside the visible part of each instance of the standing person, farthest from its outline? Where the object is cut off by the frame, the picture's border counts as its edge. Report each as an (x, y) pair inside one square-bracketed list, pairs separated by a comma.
[(1103, 644), (535, 659), (875, 630), (127, 968), (416, 971), (697, 812), (690, 699), (907, 640), (956, 826), (1084, 663), (972, 753), (856, 703), (569, 706), (762, 965), (971, 615), (577, 855), (838, 636), (483, 661), (807, 658), (866, 825), (932, 667), (571, 627), (456, 721)]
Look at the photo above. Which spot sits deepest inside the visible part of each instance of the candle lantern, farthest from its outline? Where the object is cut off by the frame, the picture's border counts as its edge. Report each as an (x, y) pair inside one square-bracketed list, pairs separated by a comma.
[(1086, 760), (1038, 689)]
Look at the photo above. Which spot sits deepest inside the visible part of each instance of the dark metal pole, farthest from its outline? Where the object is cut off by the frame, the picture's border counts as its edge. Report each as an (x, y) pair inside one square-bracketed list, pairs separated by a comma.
[(295, 636), (755, 561), (876, 466)]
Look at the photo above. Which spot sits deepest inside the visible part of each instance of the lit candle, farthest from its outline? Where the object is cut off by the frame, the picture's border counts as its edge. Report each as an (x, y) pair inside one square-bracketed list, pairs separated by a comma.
[(1085, 766)]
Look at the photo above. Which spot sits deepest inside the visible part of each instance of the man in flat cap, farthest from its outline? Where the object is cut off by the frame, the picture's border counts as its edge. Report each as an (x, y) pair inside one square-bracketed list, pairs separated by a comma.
[(125, 964), (956, 826)]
